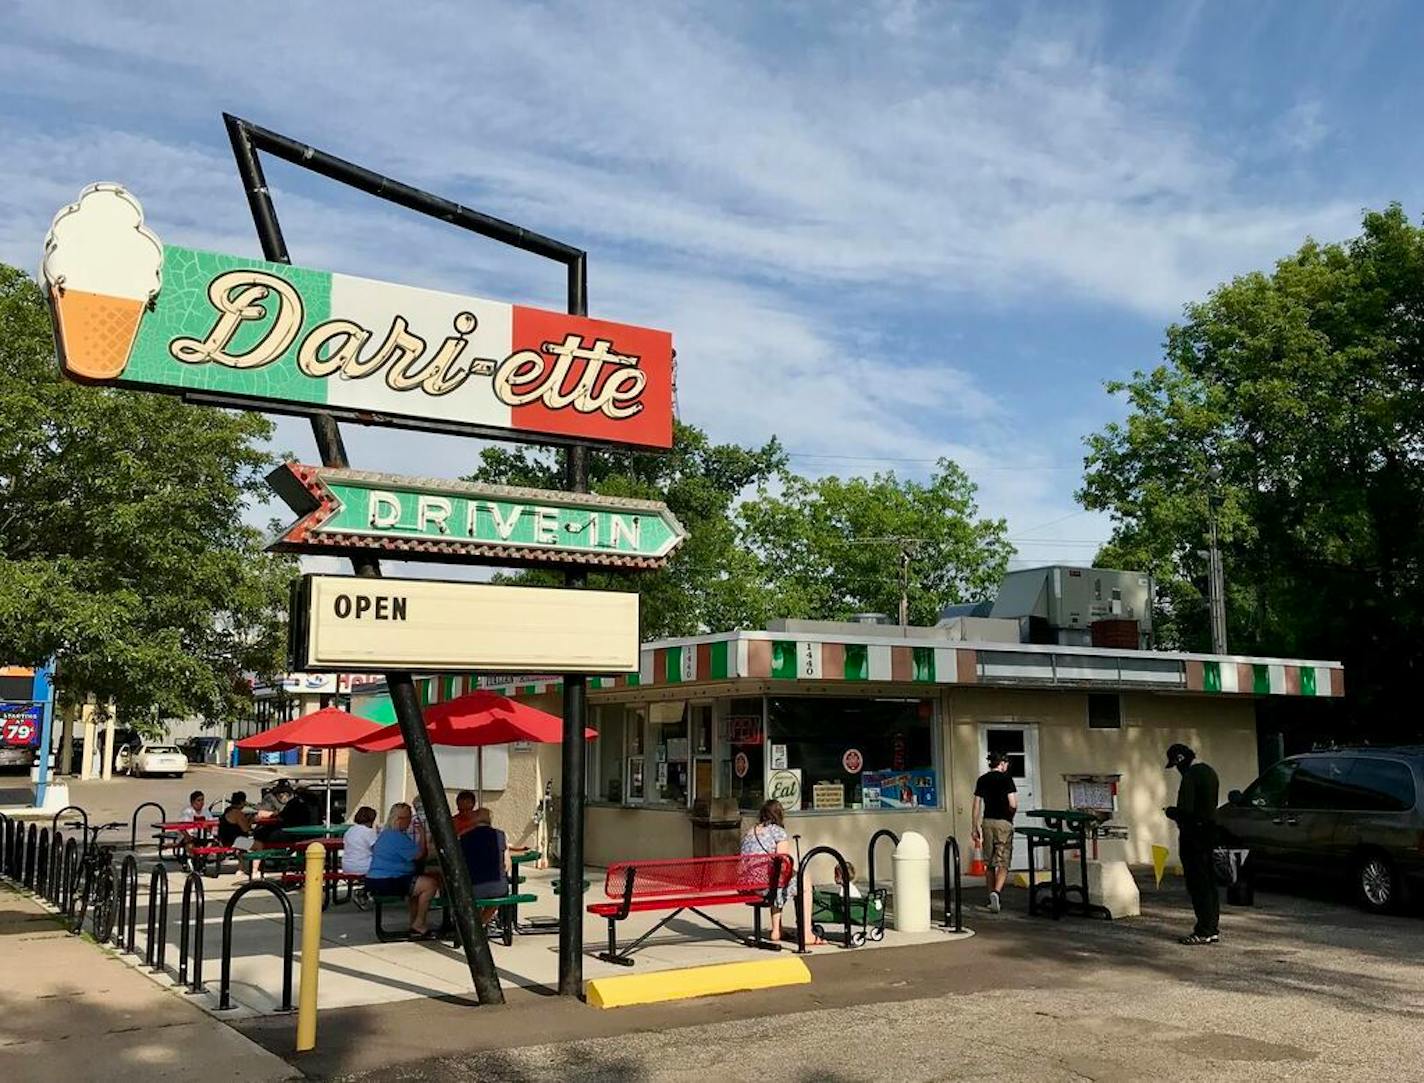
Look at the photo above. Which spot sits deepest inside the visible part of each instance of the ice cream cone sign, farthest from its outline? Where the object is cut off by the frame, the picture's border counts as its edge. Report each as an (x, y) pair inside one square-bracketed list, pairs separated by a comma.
[(102, 268)]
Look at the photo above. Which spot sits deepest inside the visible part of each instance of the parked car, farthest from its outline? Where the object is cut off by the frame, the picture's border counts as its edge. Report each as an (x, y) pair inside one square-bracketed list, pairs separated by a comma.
[(315, 789), (156, 760), (1356, 814)]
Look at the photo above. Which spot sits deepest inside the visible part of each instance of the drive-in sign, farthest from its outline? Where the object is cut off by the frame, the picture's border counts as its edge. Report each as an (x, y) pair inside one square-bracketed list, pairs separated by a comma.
[(130, 311)]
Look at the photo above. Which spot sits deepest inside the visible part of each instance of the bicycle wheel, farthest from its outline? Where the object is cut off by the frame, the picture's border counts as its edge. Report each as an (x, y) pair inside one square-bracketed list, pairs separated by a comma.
[(104, 900), (79, 905)]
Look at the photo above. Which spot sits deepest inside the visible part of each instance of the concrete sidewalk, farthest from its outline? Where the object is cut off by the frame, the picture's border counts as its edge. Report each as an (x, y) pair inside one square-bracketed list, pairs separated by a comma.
[(69, 1010)]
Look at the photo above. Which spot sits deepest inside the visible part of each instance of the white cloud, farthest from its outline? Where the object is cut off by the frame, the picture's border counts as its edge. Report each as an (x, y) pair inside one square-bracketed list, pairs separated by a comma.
[(755, 194)]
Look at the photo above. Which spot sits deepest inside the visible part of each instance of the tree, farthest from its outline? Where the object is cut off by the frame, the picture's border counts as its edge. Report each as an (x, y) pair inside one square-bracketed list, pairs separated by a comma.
[(1302, 390), (710, 582), (126, 558), (830, 548)]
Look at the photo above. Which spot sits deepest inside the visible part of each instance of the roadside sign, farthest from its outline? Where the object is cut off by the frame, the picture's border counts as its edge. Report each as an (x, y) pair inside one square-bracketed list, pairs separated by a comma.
[(131, 311), (20, 724), (462, 522), (344, 622)]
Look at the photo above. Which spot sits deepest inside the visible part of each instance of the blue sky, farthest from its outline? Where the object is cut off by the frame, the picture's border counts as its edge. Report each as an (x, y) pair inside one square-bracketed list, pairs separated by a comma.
[(882, 231)]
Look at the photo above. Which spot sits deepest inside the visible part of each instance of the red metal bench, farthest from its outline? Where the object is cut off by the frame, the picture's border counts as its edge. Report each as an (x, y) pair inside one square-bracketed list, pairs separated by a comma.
[(691, 884)]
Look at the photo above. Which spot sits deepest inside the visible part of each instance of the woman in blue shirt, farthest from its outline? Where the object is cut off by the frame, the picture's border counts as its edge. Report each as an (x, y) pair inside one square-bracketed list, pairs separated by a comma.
[(396, 860)]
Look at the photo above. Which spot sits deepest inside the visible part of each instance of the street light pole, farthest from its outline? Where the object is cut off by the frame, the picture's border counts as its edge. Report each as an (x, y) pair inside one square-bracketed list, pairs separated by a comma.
[(1216, 578)]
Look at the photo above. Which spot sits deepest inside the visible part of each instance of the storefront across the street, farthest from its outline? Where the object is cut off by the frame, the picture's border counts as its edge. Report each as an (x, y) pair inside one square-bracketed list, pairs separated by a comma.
[(855, 728)]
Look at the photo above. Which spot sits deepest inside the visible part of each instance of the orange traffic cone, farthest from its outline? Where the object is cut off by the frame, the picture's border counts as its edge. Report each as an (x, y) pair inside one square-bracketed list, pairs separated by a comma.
[(976, 862)]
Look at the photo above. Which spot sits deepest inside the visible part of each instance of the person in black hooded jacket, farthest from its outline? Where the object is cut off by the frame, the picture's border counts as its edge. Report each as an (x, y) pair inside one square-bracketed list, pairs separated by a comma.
[(1195, 817)]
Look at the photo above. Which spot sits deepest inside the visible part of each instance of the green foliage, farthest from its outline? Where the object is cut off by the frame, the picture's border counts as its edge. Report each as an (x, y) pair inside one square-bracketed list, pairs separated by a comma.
[(711, 581), (125, 554), (1303, 389), (830, 548), (821, 549)]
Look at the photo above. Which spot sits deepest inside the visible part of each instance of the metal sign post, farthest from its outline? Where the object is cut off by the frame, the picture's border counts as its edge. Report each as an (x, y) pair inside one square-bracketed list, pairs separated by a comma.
[(247, 141)]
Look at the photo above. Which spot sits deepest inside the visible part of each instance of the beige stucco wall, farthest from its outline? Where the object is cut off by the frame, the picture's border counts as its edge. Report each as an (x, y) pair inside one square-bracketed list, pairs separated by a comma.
[(622, 834), (1222, 730)]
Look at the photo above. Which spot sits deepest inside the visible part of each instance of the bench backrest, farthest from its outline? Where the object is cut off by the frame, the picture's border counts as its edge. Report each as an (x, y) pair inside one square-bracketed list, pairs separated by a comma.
[(733, 874)]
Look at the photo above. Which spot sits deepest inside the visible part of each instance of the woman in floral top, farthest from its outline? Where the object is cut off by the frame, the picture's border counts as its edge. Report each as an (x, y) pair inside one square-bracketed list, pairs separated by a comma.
[(769, 836)]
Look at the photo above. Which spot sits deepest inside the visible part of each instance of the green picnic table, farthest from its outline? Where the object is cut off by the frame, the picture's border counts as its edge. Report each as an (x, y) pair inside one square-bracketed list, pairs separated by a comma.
[(316, 831), (1063, 830)]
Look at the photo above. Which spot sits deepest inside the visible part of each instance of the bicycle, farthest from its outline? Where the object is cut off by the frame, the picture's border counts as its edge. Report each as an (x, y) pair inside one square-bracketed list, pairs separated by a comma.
[(96, 884)]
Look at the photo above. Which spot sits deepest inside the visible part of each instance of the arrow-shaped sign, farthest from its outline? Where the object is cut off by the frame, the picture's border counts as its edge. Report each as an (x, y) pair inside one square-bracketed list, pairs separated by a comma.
[(462, 522)]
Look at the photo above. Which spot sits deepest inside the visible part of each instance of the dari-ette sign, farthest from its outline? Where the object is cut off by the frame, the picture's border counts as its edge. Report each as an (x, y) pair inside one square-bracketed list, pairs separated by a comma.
[(342, 622), (130, 311), (427, 519)]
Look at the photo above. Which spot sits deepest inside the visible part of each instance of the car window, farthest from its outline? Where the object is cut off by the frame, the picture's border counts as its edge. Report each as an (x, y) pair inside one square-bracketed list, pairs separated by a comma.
[(162, 749), (1378, 785), (1319, 783), (1269, 791)]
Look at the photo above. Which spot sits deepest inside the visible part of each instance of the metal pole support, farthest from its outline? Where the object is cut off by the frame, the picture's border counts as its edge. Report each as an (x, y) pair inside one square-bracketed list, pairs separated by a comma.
[(127, 905), (311, 946), (133, 822), (883, 833), (802, 901), (225, 988), (951, 869), (156, 948), (193, 904)]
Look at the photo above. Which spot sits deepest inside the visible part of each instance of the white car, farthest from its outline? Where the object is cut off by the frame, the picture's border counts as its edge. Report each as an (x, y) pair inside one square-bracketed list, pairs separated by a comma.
[(158, 760)]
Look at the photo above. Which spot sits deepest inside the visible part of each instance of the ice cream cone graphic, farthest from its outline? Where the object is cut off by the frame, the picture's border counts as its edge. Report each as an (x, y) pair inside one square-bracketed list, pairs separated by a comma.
[(101, 269)]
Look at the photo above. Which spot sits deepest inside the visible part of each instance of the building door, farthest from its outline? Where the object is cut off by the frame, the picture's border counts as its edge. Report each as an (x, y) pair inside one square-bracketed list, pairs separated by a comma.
[(1018, 741)]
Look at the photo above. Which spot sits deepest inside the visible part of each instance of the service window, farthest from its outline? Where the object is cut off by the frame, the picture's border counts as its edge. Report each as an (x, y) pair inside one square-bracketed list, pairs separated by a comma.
[(671, 750), (741, 749), (853, 753)]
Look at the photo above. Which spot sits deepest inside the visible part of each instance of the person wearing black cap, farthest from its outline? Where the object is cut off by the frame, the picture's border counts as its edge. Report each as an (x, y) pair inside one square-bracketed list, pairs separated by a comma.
[(996, 800), (1195, 817)]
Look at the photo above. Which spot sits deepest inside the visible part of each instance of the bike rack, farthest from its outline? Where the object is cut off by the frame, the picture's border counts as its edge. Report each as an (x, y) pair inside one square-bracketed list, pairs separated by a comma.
[(133, 823), (84, 816), (156, 949), (801, 886), (883, 833), (288, 927), (55, 884), (27, 876), (951, 868), (73, 857), (192, 895), (41, 886), (126, 905)]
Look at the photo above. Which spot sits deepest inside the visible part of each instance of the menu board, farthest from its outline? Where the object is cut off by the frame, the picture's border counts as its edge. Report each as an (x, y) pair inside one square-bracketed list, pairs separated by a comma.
[(828, 795)]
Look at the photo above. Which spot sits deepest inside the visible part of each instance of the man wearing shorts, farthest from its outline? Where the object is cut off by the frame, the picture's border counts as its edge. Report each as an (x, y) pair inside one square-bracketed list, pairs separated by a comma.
[(996, 800)]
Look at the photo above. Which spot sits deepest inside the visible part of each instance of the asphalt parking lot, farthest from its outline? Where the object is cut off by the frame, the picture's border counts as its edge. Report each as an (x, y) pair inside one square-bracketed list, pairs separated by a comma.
[(1303, 986)]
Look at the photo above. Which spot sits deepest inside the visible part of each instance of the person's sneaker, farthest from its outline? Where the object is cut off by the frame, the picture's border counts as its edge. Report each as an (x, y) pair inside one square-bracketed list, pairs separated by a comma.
[(993, 902), (1194, 939)]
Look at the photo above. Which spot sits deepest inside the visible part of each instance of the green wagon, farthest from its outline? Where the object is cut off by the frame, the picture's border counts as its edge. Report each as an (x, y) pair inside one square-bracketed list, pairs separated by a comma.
[(866, 917)]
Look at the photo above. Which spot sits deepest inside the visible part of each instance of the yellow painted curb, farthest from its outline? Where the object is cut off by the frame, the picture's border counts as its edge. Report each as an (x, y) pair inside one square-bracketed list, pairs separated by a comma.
[(697, 981)]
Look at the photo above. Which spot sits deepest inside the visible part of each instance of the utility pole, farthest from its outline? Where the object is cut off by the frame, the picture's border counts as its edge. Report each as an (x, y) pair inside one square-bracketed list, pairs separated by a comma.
[(908, 548), (1216, 577)]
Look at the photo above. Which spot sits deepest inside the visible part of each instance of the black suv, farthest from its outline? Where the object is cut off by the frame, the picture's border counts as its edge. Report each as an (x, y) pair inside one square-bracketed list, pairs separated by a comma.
[(1356, 813)]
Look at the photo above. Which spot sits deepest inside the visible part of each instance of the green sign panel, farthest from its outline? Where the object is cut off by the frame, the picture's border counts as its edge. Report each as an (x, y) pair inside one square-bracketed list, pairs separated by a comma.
[(427, 519)]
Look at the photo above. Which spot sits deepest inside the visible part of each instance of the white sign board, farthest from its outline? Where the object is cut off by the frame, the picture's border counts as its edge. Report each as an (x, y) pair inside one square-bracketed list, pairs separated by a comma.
[(347, 622)]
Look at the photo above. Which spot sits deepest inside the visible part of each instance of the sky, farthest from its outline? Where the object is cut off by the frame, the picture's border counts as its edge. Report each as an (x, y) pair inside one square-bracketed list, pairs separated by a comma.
[(884, 232)]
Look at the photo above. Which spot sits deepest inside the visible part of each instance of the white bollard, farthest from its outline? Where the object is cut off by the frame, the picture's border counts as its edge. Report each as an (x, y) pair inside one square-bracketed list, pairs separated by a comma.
[(912, 884)]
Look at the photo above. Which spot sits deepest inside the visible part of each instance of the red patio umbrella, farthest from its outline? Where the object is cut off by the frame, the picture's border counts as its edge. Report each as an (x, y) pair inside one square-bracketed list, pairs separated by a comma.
[(477, 719), (329, 727)]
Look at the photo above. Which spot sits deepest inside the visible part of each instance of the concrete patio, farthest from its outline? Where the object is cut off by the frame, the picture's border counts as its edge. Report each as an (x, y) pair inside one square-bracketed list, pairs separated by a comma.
[(358, 970)]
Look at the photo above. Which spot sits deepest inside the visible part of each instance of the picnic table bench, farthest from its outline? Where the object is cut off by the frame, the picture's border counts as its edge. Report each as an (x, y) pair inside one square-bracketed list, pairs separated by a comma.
[(505, 905), (691, 883), (1064, 830)]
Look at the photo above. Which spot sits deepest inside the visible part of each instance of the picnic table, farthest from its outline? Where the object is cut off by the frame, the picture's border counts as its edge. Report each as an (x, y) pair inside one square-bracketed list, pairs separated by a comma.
[(317, 831), (293, 860), (1063, 830)]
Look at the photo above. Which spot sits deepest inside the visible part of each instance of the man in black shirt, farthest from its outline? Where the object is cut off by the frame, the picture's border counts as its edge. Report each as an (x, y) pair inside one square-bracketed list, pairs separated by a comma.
[(996, 800), (1195, 817)]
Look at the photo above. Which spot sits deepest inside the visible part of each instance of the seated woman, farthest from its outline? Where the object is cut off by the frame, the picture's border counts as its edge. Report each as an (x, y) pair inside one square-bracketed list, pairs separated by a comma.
[(395, 869), (464, 811), (235, 822), (486, 855), (768, 836)]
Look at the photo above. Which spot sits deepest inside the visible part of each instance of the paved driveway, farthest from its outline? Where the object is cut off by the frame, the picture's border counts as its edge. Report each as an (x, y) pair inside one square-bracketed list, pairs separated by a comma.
[(1302, 988)]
